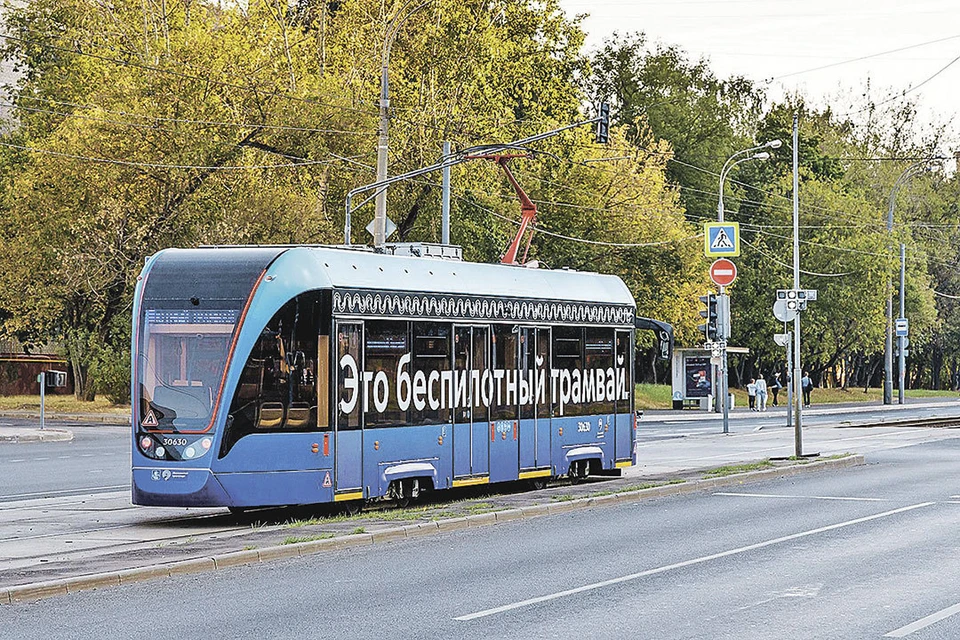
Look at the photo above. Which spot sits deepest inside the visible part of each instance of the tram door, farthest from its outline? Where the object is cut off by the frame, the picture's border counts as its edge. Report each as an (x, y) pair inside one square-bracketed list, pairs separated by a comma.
[(534, 403), (471, 453), (348, 436), (623, 364), (504, 403)]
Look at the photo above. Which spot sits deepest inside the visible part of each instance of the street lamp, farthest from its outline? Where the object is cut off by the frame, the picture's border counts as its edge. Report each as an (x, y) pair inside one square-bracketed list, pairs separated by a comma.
[(393, 27), (736, 159), (911, 171), (753, 153)]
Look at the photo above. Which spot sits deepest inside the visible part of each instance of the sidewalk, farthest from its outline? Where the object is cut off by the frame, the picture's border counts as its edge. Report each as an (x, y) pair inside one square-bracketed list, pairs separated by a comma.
[(742, 413)]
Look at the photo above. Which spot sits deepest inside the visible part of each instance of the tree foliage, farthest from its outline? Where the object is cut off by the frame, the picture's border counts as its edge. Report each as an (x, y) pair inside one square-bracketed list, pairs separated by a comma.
[(137, 126)]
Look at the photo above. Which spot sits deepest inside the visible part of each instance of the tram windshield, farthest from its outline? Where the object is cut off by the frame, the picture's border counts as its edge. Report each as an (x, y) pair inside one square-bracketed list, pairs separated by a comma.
[(191, 304), (180, 366)]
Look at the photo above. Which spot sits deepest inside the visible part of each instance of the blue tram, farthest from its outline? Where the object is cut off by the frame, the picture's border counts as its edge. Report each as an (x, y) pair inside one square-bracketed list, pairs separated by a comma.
[(299, 375)]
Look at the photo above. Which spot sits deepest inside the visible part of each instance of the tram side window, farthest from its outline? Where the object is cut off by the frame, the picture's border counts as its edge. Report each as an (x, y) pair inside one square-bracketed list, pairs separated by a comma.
[(505, 358), (349, 383), (385, 342), (568, 360), (599, 377), (278, 388), (431, 356)]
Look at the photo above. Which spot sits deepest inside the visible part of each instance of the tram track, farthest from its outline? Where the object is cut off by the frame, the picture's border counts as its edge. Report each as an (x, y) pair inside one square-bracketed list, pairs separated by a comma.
[(942, 422)]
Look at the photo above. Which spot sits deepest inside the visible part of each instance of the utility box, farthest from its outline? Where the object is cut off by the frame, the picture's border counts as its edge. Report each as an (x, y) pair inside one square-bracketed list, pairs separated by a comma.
[(55, 379)]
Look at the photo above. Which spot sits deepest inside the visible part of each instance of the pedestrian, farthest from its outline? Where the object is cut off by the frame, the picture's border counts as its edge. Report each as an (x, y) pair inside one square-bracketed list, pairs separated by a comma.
[(806, 384), (752, 394), (761, 394), (775, 386)]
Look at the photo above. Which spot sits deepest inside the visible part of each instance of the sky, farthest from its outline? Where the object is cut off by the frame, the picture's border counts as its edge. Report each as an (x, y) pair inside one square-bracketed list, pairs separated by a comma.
[(783, 45)]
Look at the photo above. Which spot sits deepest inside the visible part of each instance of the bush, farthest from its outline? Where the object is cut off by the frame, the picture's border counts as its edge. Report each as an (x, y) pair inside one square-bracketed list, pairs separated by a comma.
[(110, 372)]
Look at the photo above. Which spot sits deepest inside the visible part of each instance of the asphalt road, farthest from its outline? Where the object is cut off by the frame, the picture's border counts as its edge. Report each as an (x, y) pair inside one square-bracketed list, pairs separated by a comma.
[(95, 461), (869, 552)]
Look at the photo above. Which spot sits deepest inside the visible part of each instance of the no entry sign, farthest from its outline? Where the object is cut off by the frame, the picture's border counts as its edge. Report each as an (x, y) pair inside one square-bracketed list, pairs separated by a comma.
[(723, 272)]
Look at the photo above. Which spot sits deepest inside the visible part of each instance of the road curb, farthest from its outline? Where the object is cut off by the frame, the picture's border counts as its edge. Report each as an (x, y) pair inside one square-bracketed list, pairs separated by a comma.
[(85, 418), (41, 590), (37, 435)]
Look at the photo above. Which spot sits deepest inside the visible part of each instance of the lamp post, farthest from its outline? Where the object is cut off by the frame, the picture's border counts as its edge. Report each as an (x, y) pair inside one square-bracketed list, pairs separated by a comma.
[(393, 27), (736, 159), (911, 171), (753, 153)]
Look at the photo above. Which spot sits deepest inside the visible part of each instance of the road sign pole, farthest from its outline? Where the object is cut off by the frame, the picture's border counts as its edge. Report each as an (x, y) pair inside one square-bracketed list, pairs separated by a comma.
[(789, 382), (42, 378), (724, 379)]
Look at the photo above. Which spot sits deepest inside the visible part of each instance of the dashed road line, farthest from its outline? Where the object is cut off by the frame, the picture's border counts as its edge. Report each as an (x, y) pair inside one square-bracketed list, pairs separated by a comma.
[(777, 495), (686, 563), (923, 623)]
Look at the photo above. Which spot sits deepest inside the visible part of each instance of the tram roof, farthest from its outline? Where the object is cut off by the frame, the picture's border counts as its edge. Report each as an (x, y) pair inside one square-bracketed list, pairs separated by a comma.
[(358, 269), (368, 270)]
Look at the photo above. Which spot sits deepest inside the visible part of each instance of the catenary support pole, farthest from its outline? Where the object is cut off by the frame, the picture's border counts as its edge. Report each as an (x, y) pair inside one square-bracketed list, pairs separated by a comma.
[(797, 392), (901, 358)]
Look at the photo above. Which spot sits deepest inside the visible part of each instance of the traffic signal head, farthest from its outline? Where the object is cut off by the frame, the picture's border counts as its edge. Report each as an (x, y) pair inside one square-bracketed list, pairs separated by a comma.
[(603, 126), (709, 314)]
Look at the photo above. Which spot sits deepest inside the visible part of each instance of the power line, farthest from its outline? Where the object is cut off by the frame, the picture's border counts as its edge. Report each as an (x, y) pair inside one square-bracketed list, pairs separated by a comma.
[(154, 165), (161, 118), (541, 229), (903, 94), (790, 266), (867, 57)]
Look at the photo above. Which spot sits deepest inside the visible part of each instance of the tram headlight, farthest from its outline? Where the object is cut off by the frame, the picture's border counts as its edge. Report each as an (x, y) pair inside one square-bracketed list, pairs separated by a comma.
[(189, 452), (206, 443), (146, 443), (161, 452)]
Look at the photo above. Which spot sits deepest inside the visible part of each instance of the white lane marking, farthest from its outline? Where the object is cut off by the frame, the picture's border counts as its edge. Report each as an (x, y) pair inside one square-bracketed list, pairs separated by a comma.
[(954, 497), (95, 471), (63, 457), (774, 495), (21, 460), (39, 459), (922, 623), (685, 563)]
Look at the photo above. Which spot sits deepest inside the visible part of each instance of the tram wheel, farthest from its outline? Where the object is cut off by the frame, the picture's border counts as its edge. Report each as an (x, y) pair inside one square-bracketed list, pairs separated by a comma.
[(538, 483), (405, 492), (352, 507), (578, 471)]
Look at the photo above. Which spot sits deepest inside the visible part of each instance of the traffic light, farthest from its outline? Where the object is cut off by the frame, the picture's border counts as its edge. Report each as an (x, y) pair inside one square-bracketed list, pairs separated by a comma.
[(709, 314), (603, 126)]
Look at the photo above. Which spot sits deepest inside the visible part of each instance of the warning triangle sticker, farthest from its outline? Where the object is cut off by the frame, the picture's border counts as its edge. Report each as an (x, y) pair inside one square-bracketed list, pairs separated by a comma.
[(149, 420), (722, 241), (327, 483)]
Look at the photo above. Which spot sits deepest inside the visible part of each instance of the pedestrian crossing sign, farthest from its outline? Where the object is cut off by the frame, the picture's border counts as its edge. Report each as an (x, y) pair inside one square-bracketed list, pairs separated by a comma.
[(721, 239)]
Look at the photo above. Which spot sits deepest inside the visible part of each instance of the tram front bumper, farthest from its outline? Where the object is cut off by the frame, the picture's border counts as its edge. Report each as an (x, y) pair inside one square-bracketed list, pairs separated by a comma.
[(177, 487)]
